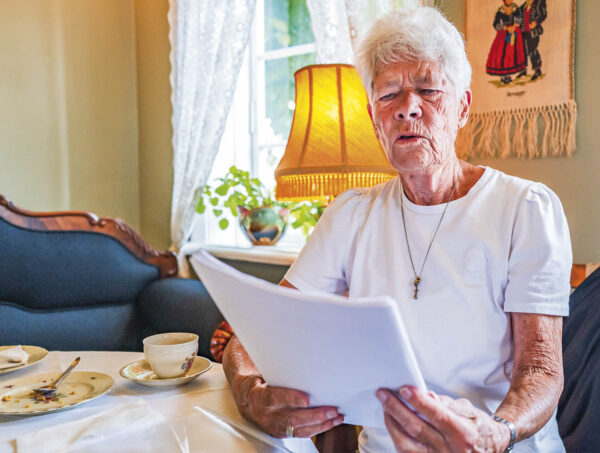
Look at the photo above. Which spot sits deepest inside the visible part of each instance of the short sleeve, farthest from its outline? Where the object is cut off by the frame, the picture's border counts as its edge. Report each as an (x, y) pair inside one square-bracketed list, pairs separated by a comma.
[(321, 264), (540, 261)]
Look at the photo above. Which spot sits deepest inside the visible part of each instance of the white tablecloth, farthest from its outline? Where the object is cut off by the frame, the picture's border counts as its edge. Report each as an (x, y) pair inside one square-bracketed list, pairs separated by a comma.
[(186, 429)]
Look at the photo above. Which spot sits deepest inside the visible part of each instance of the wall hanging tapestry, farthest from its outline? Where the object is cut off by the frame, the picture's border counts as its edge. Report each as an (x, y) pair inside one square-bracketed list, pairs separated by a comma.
[(522, 54)]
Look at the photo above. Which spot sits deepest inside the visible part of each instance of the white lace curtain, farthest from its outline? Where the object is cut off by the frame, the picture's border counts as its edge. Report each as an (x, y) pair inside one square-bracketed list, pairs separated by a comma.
[(338, 25), (208, 39)]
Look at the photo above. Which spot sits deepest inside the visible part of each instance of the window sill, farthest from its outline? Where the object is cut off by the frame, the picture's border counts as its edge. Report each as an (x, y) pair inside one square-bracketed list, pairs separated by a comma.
[(256, 254)]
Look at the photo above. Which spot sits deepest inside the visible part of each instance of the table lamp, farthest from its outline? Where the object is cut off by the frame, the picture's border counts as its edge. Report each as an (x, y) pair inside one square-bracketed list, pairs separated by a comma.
[(332, 145)]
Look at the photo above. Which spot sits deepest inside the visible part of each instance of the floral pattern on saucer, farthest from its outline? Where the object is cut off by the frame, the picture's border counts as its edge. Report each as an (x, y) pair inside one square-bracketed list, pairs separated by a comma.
[(141, 373)]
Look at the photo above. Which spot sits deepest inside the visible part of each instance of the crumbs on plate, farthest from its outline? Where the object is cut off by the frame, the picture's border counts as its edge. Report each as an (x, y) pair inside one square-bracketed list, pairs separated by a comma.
[(41, 398)]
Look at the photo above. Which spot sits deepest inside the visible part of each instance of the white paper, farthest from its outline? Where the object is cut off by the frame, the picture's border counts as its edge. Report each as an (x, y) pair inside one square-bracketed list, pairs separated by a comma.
[(337, 350)]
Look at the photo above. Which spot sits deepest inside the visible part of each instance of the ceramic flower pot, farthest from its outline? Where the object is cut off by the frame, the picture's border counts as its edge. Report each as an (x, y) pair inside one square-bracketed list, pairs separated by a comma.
[(263, 225)]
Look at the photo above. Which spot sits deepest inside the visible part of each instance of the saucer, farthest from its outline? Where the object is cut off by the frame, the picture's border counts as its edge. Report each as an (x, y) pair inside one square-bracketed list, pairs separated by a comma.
[(35, 353), (78, 388), (140, 372)]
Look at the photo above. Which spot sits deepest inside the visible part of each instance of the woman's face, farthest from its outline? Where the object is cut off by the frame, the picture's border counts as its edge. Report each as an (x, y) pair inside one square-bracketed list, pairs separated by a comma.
[(417, 115)]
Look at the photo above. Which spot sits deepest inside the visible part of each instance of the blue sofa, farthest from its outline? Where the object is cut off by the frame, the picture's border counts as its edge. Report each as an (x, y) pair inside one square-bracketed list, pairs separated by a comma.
[(579, 406), (73, 281)]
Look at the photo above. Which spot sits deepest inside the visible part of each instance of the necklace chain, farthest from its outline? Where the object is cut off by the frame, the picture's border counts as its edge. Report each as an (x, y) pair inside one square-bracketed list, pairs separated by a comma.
[(417, 279)]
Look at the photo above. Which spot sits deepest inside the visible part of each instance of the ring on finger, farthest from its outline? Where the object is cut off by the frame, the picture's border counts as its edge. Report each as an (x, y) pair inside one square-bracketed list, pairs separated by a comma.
[(289, 431)]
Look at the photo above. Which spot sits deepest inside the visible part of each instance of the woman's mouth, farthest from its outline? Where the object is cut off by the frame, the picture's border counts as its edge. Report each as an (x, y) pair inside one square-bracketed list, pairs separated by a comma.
[(408, 138)]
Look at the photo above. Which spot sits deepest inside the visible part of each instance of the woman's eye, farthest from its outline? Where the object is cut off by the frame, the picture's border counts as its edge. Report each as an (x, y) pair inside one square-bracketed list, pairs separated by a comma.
[(387, 97)]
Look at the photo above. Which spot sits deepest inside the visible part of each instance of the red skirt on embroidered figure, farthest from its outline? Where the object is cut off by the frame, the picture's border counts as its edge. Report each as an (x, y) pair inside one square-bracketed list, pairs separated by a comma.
[(507, 55)]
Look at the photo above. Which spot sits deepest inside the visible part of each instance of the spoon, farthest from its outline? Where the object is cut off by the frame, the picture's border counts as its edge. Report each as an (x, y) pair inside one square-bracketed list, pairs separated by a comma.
[(49, 390)]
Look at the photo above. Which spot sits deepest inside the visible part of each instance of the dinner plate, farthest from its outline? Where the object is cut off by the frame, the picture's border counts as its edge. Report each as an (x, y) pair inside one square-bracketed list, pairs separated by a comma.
[(35, 353), (80, 387), (140, 372)]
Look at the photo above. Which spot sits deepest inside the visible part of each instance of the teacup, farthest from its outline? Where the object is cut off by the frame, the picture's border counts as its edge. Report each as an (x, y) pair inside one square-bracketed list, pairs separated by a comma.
[(170, 355)]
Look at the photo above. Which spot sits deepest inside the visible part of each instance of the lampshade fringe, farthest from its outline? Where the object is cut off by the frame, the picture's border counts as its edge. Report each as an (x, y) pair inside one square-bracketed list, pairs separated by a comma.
[(321, 186)]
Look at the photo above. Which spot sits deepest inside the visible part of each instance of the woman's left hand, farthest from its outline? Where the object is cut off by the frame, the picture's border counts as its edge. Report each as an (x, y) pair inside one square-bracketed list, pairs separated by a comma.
[(451, 425)]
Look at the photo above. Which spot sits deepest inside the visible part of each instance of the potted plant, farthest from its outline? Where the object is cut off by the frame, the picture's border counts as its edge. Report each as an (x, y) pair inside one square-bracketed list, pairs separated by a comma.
[(262, 218)]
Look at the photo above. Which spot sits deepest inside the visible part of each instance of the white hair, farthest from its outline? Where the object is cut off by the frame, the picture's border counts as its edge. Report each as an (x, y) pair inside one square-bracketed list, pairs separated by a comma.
[(407, 35)]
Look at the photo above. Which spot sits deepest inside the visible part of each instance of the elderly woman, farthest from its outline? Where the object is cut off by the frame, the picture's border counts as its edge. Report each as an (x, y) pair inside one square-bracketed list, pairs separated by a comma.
[(478, 262)]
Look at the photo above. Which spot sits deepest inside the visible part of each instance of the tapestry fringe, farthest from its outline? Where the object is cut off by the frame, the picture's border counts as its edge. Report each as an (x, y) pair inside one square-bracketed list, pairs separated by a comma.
[(527, 132)]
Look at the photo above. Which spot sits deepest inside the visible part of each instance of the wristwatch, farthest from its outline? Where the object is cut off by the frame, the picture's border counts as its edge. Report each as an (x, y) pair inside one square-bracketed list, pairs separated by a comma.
[(513, 432)]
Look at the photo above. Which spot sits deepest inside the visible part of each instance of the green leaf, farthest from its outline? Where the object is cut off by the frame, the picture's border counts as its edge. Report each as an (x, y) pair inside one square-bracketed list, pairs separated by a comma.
[(217, 212), (222, 189), (223, 223), (214, 201), (201, 207)]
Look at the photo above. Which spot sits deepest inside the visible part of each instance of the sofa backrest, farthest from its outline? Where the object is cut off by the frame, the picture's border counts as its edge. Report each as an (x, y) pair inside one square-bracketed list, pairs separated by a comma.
[(68, 269), (71, 281)]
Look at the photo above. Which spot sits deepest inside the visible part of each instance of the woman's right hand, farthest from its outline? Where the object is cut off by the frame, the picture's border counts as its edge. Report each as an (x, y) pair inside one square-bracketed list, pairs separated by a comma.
[(277, 408)]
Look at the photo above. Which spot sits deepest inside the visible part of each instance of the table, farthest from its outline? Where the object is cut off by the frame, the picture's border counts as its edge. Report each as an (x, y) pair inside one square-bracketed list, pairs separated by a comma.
[(186, 429)]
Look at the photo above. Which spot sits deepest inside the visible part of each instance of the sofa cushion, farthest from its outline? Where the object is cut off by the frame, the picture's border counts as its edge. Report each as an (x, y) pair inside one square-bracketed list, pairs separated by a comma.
[(112, 327), (60, 269)]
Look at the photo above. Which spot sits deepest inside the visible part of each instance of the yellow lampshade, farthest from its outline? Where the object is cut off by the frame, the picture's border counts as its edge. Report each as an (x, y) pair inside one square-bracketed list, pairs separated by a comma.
[(332, 145)]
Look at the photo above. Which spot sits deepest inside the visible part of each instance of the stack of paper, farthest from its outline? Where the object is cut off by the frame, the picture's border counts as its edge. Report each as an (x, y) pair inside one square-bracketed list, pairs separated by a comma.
[(337, 350)]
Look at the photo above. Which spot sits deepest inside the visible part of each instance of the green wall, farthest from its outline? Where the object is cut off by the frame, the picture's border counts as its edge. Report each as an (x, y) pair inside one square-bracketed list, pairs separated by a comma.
[(68, 106), (85, 113), (154, 119)]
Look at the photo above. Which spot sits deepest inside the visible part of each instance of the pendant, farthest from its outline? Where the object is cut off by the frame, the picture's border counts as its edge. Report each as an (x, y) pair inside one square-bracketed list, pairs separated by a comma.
[(416, 283)]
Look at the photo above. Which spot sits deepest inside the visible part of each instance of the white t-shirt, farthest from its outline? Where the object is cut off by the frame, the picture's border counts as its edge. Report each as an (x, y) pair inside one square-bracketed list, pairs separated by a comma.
[(503, 247)]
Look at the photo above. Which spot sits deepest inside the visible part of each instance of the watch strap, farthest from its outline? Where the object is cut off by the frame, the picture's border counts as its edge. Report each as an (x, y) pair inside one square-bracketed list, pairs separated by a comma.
[(513, 432)]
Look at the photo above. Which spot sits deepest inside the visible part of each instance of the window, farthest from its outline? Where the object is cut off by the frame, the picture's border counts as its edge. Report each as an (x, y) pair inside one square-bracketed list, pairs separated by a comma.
[(260, 119)]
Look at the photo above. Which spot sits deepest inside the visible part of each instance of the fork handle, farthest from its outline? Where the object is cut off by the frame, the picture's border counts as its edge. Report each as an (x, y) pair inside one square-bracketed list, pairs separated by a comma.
[(65, 373)]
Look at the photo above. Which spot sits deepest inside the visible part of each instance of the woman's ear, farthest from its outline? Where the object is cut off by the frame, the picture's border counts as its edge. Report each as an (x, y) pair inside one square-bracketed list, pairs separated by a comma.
[(464, 109), (370, 110)]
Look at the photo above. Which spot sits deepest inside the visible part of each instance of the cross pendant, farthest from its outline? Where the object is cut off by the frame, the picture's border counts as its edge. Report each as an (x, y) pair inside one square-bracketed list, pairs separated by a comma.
[(416, 282)]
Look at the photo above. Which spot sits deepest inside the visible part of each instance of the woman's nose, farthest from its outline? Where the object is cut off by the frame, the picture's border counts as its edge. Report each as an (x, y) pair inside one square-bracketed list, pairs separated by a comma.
[(407, 107)]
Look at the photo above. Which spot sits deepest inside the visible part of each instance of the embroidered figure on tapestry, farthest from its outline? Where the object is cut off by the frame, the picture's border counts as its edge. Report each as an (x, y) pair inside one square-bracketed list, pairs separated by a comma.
[(515, 46), (532, 13)]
